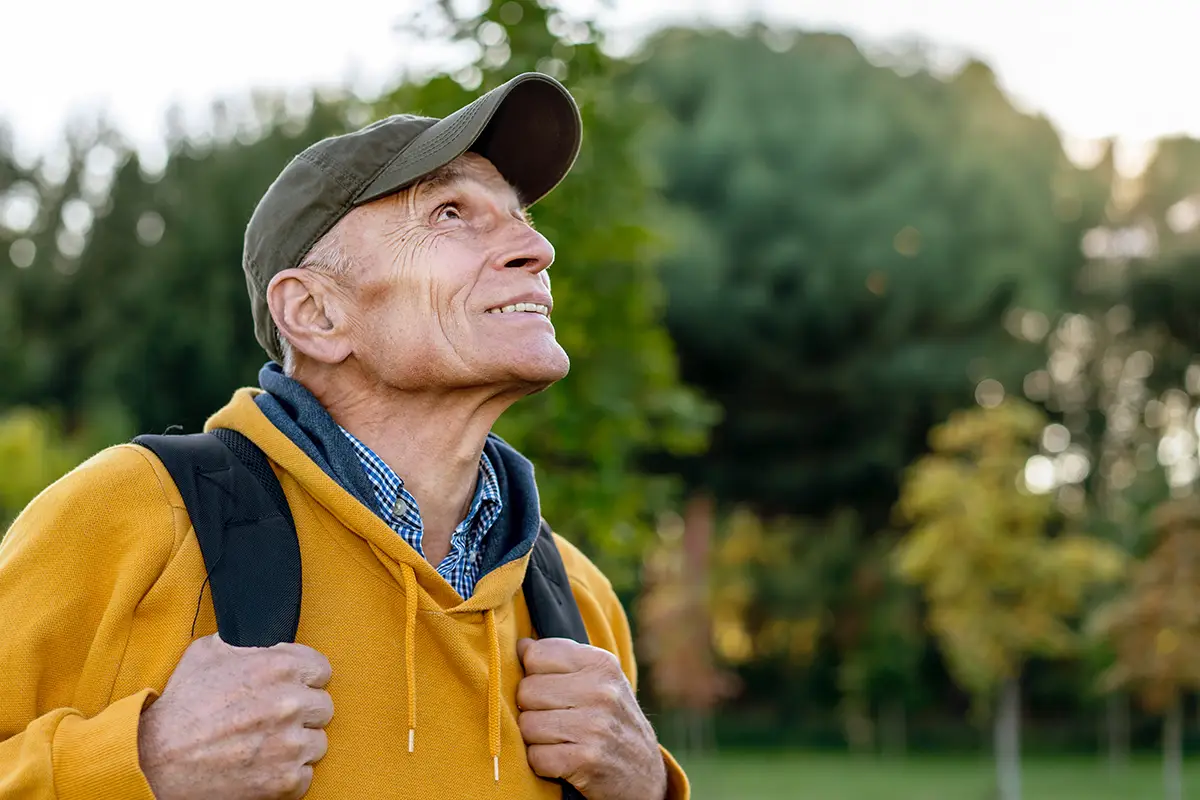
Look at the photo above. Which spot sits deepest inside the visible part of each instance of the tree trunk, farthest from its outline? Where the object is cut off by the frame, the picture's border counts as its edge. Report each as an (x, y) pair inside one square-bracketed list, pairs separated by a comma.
[(893, 729), (1008, 741), (857, 726), (1116, 714), (1173, 750)]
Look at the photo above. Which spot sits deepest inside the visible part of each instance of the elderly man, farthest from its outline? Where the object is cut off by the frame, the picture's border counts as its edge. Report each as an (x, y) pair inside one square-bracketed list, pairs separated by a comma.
[(403, 295)]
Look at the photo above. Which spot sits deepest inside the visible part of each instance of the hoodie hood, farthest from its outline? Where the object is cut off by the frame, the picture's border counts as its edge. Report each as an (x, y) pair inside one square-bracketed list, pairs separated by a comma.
[(300, 416)]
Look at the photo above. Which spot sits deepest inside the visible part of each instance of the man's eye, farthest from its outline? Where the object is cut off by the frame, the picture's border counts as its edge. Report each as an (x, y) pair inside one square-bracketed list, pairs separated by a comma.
[(448, 211)]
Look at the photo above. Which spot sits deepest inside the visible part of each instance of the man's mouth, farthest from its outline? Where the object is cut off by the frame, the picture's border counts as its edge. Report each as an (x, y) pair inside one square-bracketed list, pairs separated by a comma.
[(526, 308)]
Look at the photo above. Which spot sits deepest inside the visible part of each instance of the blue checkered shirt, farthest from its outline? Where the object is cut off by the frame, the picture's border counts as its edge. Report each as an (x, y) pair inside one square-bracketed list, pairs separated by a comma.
[(399, 510)]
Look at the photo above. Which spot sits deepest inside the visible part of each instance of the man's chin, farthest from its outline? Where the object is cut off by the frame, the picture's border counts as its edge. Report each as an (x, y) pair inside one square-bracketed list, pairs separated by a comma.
[(537, 375)]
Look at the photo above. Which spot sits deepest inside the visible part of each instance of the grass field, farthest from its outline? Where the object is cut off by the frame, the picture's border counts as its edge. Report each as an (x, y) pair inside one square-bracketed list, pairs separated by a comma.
[(804, 776)]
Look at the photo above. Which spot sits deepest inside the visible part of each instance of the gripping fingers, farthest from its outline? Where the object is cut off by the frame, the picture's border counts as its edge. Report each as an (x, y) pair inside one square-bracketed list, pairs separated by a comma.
[(550, 727), (301, 782), (543, 692), (318, 709), (316, 745), (316, 671), (555, 760), (307, 665)]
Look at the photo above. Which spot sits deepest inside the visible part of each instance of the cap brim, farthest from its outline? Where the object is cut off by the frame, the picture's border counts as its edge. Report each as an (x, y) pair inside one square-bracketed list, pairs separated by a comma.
[(529, 128)]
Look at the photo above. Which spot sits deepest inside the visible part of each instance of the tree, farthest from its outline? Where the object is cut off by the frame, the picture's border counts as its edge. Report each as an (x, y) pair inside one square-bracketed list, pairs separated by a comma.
[(880, 646), (1000, 584), (1121, 366), (622, 397), (36, 452), (134, 297), (776, 585), (848, 240), (674, 617), (1155, 630)]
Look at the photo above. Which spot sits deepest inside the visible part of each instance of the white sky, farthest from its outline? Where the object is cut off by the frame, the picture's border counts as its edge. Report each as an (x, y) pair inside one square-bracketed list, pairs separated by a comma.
[(1095, 67)]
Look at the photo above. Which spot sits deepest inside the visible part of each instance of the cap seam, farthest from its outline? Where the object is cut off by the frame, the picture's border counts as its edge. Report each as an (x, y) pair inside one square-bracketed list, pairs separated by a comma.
[(331, 168), (319, 159)]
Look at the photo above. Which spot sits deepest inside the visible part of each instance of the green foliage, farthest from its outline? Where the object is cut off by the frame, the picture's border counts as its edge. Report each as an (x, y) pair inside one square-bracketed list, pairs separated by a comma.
[(622, 396), (774, 582), (35, 453), (152, 314), (882, 640), (1000, 588), (848, 241), (793, 598)]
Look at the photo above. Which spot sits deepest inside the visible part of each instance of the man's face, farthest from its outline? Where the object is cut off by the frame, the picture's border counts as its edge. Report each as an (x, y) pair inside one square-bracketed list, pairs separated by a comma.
[(438, 271)]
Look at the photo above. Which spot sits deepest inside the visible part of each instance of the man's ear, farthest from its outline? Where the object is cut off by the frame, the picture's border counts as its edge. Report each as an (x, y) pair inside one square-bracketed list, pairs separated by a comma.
[(308, 310)]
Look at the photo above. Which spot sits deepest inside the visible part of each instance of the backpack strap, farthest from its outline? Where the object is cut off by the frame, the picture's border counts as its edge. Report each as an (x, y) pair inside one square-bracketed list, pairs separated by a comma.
[(552, 607), (245, 530)]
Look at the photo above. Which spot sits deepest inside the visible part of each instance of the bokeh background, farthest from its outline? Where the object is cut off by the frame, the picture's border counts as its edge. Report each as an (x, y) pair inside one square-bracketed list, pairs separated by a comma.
[(883, 317)]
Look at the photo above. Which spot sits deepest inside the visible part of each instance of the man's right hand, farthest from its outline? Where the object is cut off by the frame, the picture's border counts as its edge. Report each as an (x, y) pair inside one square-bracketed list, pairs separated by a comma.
[(244, 723)]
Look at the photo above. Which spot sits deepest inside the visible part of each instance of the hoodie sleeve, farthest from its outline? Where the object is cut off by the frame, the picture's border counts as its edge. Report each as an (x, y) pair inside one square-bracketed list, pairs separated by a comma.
[(608, 627), (73, 568)]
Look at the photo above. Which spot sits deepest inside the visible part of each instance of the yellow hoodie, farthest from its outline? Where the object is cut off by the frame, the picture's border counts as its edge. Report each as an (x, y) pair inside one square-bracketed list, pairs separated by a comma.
[(99, 581)]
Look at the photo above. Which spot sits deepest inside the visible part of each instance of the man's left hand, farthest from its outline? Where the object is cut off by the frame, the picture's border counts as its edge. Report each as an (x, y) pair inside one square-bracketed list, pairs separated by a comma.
[(582, 723)]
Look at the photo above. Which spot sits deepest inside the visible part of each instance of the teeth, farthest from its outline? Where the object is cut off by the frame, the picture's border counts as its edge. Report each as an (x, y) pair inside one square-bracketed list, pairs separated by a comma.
[(533, 308)]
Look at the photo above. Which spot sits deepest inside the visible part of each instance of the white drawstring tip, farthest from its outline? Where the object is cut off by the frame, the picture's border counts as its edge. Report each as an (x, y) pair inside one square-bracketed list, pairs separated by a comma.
[(411, 731), (496, 767)]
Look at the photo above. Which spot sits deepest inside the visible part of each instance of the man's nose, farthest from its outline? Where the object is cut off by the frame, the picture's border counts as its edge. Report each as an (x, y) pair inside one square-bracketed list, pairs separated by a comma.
[(532, 252)]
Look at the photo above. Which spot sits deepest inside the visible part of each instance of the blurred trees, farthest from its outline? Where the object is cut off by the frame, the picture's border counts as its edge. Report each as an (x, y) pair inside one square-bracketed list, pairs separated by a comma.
[(846, 243), (1154, 627), (675, 617), (37, 453), (1121, 374), (133, 296), (1002, 586)]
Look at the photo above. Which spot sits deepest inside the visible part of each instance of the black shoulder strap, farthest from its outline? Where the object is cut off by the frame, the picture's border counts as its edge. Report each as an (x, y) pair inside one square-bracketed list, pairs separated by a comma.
[(552, 606), (245, 530)]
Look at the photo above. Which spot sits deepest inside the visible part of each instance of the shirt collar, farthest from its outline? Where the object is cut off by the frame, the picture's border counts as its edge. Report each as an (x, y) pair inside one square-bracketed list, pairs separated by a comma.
[(389, 487)]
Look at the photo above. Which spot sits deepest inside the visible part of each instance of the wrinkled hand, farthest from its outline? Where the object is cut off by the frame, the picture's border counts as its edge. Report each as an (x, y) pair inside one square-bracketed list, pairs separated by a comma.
[(582, 723), (244, 723)]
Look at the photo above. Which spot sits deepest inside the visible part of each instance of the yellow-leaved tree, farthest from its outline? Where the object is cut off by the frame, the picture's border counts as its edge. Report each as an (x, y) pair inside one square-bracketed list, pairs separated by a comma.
[(1001, 576), (1154, 629)]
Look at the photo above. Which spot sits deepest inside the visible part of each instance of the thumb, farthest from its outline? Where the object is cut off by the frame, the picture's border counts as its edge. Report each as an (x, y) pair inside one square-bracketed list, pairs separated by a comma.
[(523, 645)]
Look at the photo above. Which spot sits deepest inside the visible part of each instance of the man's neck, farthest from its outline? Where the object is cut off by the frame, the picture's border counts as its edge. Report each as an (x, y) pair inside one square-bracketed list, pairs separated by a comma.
[(432, 441)]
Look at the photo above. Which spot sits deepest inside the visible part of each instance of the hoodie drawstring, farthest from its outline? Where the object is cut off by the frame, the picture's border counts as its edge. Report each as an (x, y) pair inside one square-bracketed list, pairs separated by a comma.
[(410, 669), (410, 646), (493, 691)]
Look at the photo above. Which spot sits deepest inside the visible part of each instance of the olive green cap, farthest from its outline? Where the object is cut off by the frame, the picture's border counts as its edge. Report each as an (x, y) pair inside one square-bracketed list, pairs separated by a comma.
[(528, 128)]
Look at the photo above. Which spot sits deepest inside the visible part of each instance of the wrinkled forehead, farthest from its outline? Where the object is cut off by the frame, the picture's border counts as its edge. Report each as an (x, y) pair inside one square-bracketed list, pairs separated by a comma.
[(468, 171)]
